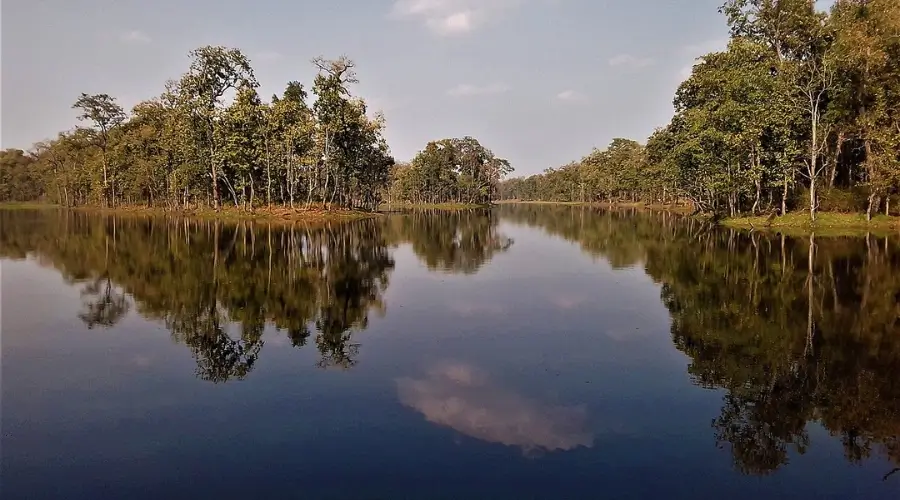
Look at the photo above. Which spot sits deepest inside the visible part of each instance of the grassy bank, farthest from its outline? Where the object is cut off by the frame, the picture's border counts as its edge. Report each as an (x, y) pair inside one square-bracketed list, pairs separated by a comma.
[(638, 205), (316, 214), (826, 223)]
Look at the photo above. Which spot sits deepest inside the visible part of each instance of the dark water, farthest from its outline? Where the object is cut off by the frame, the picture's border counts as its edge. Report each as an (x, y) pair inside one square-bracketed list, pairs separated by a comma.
[(528, 352)]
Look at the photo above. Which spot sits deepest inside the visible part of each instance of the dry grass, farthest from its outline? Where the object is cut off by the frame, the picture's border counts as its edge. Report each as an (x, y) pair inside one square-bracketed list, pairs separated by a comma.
[(314, 214)]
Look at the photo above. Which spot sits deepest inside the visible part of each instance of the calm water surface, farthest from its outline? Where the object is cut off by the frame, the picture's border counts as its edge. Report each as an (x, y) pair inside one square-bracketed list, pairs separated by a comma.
[(527, 352)]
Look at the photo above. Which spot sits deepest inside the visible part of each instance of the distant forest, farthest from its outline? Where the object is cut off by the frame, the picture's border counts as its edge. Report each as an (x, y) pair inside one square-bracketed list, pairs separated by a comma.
[(210, 140), (801, 111)]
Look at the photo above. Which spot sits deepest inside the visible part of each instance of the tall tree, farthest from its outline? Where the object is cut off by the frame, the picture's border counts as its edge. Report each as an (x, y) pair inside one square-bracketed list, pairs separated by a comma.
[(214, 71), (105, 114)]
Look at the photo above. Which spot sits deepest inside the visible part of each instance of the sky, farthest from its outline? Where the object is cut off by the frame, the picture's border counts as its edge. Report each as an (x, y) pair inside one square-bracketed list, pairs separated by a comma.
[(539, 82)]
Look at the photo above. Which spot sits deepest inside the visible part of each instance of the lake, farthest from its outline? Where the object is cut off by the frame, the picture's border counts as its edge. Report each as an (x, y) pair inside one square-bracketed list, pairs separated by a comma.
[(526, 351)]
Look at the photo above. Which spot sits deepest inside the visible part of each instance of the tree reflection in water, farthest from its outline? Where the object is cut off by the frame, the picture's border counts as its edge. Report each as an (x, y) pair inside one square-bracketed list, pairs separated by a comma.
[(217, 285), (795, 330)]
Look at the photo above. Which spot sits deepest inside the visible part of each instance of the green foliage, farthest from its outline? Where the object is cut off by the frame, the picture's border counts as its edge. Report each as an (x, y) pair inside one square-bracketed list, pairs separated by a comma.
[(617, 173), (20, 177), (800, 102), (209, 137), (449, 171)]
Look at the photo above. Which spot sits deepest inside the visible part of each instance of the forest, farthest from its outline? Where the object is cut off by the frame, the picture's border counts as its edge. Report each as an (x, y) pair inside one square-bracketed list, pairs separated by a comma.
[(209, 140), (801, 111)]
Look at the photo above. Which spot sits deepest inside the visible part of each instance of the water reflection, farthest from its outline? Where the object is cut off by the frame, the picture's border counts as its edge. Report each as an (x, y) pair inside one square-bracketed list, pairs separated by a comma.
[(464, 398), (457, 241), (791, 331), (794, 330), (217, 285)]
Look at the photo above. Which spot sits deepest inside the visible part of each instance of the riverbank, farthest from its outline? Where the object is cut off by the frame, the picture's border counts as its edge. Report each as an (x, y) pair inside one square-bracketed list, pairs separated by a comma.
[(684, 209), (826, 222), (26, 205), (387, 207), (279, 213)]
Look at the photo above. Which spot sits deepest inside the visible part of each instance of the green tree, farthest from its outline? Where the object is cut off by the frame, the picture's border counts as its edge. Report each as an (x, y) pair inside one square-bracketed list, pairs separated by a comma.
[(105, 114), (214, 71)]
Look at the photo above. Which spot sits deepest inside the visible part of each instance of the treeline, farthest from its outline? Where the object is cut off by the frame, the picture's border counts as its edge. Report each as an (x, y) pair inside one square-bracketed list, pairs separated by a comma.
[(794, 331), (801, 111), (209, 139)]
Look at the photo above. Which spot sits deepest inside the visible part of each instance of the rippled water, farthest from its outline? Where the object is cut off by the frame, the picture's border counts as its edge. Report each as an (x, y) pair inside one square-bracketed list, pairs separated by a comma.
[(524, 352)]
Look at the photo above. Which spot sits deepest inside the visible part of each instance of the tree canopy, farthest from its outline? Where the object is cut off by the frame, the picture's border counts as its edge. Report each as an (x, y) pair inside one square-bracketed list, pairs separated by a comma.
[(801, 110), (210, 139)]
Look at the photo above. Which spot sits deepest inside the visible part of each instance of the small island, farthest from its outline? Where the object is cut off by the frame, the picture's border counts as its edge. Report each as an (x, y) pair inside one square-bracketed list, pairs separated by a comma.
[(210, 147)]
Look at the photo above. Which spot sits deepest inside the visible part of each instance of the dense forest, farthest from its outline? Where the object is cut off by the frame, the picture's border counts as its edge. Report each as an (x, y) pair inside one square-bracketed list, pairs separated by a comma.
[(801, 111), (209, 139), (793, 330)]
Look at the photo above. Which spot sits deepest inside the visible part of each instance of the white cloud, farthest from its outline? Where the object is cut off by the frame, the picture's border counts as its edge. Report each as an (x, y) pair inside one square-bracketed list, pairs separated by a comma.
[(451, 17), (458, 22), (569, 95), (461, 397), (135, 36), (468, 90), (630, 61)]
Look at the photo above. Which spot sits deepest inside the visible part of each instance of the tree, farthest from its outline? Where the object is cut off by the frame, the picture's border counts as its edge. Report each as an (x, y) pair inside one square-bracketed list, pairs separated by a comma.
[(242, 135), (457, 170), (866, 45), (20, 176), (213, 72), (102, 110)]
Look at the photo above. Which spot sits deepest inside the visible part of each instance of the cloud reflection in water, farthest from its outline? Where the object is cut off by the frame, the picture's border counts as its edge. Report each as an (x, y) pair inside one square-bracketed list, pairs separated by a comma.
[(464, 398)]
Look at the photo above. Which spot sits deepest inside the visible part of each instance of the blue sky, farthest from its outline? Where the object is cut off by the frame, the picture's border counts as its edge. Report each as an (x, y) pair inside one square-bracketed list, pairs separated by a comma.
[(540, 82)]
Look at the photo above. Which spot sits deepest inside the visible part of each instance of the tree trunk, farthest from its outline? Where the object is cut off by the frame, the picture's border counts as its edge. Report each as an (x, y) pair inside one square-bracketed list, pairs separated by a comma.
[(215, 179), (812, 198), (106, 196), (758, 195), (874, 200), (268, 173), (252, 193), (784, 197), (837, 157)]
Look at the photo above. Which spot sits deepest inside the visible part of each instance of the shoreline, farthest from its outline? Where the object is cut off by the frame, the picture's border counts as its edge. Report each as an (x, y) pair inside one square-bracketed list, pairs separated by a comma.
[(231, 214), (798, 223), (387, 207), (684, 209)]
